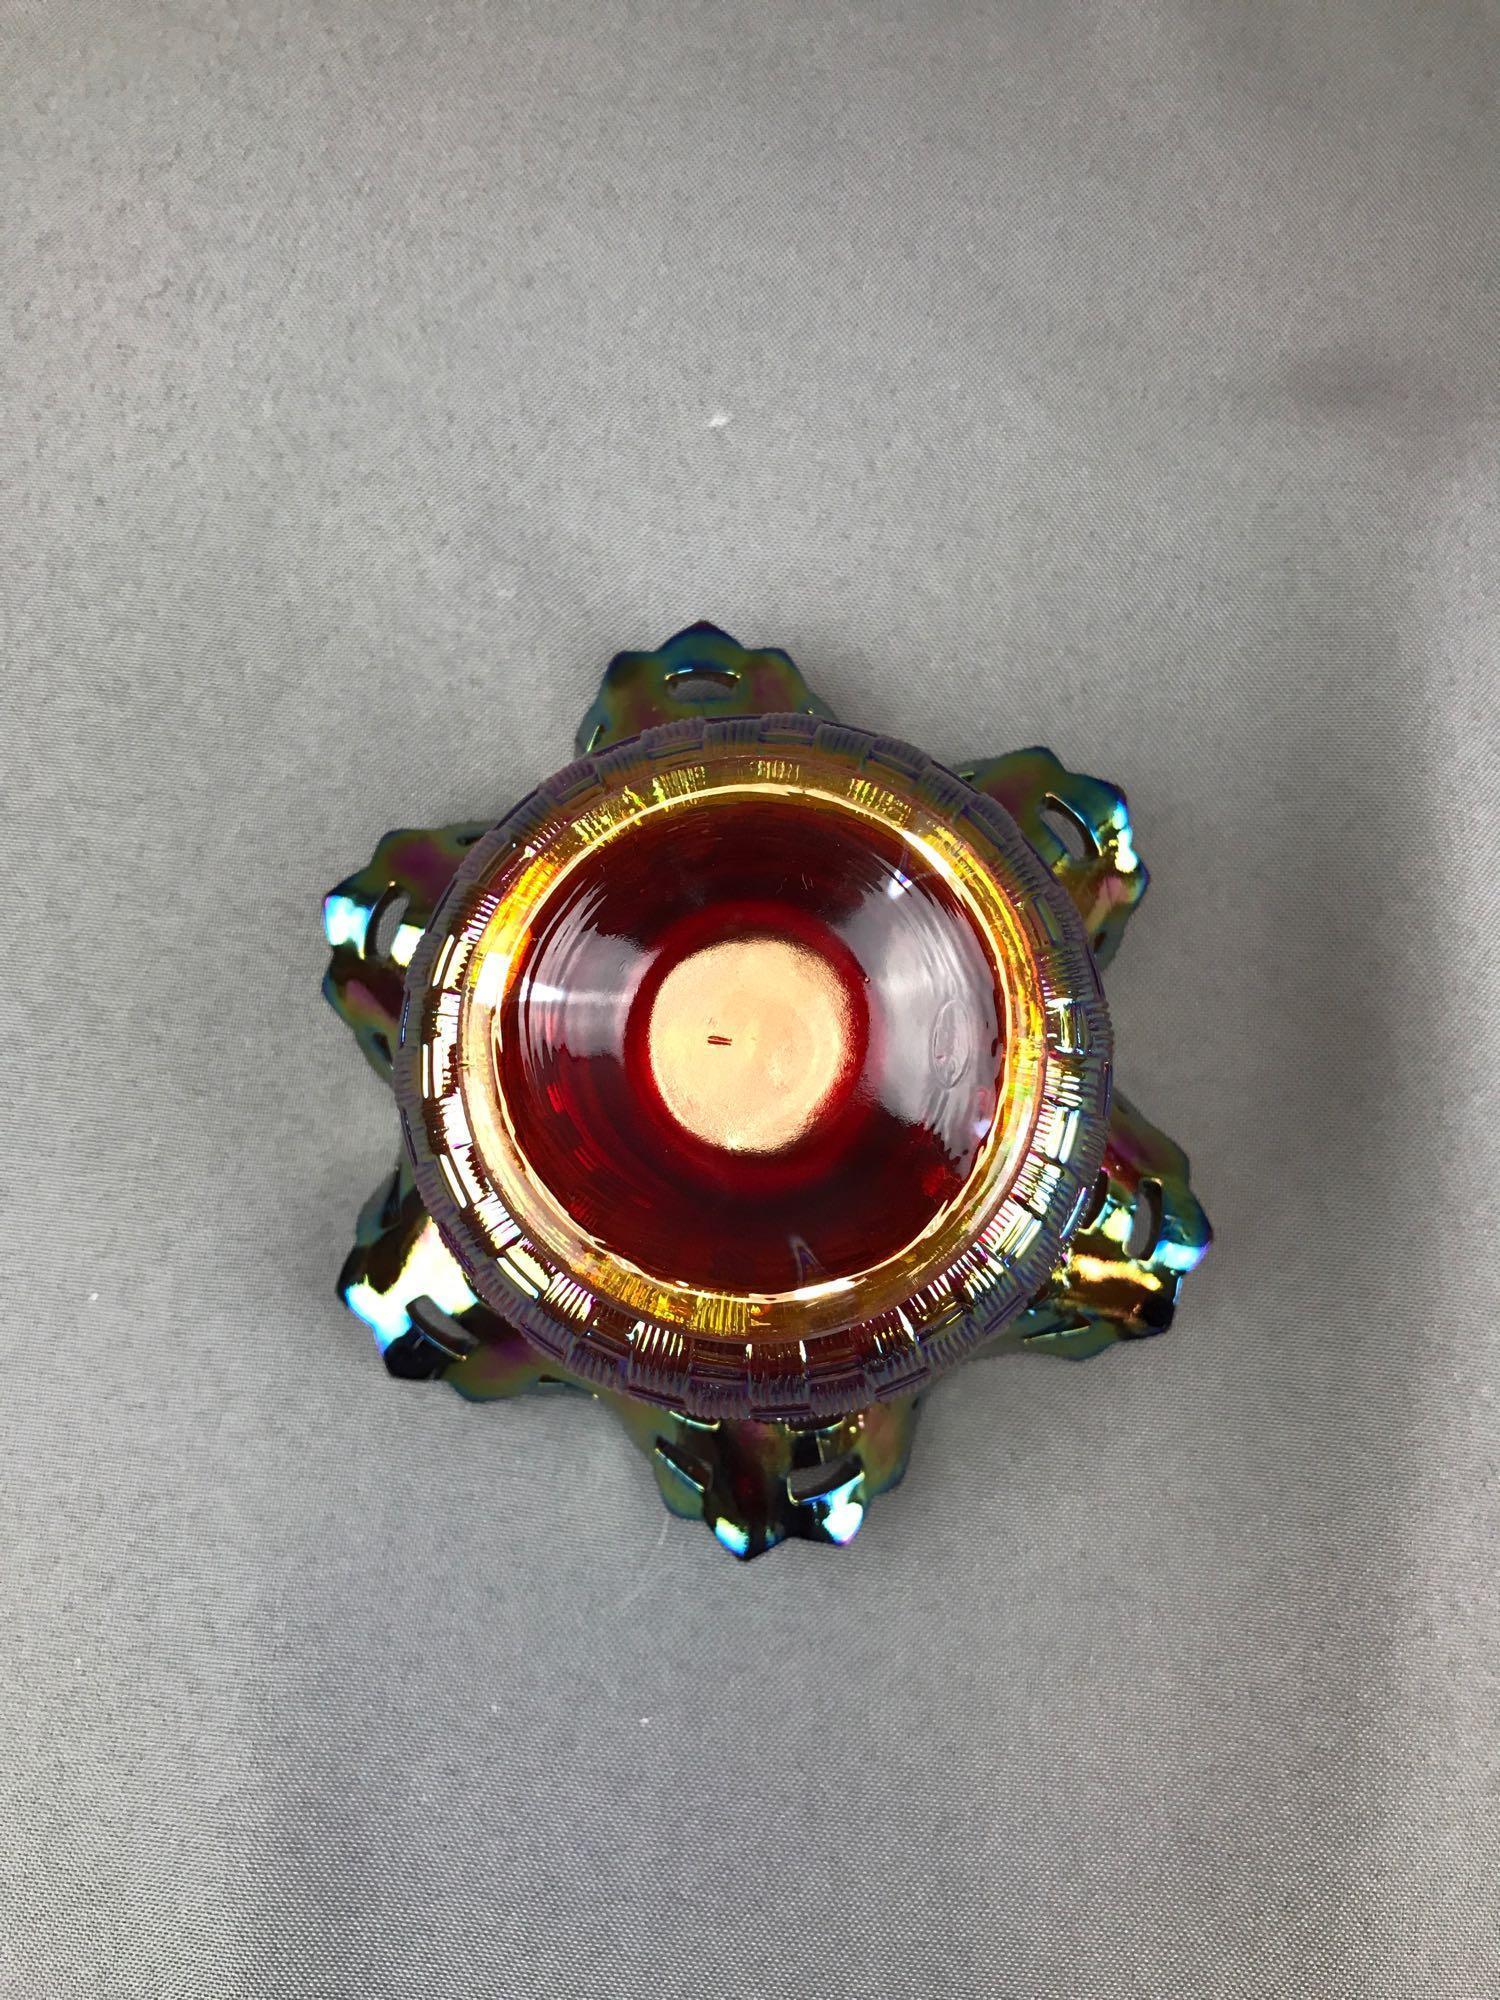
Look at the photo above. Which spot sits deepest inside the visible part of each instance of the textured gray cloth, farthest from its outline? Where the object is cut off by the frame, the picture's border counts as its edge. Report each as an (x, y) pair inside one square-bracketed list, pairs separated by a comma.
[(1122, 377)]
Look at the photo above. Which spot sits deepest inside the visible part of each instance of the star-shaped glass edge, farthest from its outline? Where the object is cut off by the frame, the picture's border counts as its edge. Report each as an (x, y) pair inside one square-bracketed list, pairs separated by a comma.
[(754, 1483)]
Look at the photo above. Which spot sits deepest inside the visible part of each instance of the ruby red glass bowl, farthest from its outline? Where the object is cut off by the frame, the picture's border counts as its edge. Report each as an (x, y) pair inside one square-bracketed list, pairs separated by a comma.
[(757, 1067)]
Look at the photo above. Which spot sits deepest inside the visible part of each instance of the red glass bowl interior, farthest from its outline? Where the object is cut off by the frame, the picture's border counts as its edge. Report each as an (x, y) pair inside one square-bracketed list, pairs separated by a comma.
[(753, 1046)]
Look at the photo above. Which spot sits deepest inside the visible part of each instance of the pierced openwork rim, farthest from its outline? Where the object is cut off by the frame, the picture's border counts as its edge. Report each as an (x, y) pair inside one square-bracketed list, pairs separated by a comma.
[(825, 1347)]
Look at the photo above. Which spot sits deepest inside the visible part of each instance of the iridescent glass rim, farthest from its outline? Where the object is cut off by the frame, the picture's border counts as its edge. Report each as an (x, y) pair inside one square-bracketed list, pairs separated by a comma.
[(979, 1260)]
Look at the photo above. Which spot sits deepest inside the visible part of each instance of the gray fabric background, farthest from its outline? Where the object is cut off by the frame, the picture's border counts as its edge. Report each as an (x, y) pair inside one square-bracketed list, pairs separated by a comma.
[(1120, 376)]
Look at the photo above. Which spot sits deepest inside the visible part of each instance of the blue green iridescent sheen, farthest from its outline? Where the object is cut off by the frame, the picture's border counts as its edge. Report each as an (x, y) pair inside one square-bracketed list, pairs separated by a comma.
[(1139, 1231), (699, 672)]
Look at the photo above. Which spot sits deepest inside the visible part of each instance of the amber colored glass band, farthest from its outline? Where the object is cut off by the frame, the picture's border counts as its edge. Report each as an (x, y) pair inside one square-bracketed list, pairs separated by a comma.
[(824, 1345)]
